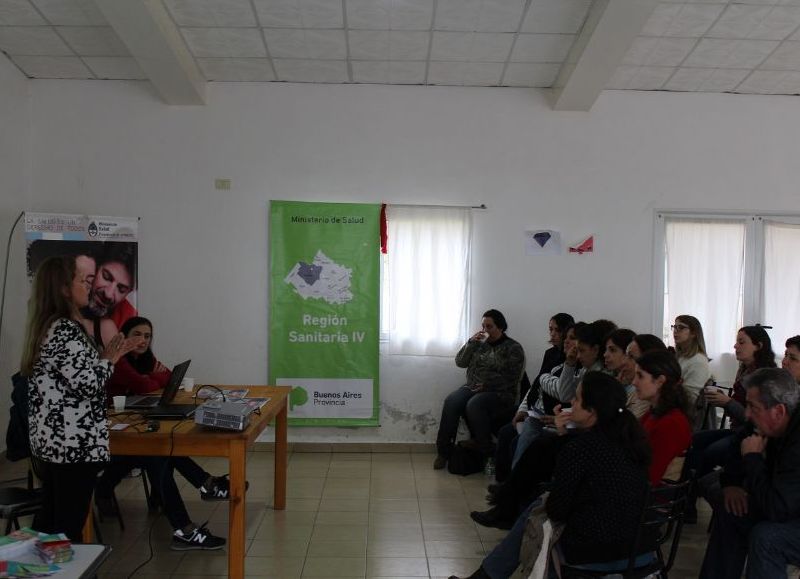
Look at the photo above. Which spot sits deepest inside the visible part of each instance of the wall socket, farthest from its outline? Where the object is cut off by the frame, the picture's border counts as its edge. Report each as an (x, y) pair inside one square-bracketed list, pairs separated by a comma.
[(222, 184)]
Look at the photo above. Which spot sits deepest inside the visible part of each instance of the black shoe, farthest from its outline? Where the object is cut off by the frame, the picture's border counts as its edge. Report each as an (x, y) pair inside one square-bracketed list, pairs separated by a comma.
[(492, 518), (219, 489), (199, 539), (439, 463)]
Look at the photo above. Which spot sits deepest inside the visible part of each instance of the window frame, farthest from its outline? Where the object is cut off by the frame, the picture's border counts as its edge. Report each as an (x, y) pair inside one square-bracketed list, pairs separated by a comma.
[(753, 299)]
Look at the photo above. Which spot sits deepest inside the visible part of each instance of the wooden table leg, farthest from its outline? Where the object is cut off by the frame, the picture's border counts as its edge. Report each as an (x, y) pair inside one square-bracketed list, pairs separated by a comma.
[(88, 524), (236, 523), (281, 452)]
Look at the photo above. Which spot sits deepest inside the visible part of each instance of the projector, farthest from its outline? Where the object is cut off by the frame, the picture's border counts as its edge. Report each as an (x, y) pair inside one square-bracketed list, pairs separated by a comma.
[(225, 415)]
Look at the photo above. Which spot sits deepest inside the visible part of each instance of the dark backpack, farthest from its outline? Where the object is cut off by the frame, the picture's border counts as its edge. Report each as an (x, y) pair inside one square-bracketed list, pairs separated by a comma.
[(18, 446), (465, 461)]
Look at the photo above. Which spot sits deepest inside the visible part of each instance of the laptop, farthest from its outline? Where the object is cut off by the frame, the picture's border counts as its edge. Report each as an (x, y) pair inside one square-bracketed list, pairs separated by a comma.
[(161, 406)]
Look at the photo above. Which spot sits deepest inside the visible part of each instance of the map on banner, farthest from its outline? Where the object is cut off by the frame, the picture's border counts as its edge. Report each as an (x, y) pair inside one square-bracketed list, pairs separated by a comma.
[(322, 279)]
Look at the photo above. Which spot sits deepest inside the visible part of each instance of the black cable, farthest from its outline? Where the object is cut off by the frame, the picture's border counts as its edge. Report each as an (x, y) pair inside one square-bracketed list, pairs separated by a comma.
[(222, 392), (164, 470), (5, 270)]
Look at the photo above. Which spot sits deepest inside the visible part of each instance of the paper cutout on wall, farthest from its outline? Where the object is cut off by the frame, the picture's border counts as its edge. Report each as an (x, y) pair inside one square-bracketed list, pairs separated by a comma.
[(585, 246), (542, 242)]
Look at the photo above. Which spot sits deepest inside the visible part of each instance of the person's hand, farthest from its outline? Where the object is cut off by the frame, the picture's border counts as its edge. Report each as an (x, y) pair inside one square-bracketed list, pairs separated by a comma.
[(159, 367), (571, 356), (561, 419), (477, 387), (117, 347), (716, 397), (518, 417), (735, 500), (754, 444), (478, 336)]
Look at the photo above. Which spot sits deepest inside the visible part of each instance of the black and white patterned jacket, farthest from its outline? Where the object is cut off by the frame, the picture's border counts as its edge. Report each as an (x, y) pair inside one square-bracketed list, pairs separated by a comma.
[(67, 398)]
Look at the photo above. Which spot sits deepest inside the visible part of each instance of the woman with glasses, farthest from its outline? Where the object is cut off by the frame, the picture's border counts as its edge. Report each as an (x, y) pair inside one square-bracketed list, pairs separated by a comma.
[(690, 348), (66, 374)]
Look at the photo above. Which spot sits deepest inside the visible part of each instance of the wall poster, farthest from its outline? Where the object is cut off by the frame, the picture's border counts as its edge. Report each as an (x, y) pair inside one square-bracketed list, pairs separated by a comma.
[(324, 310), (105, 249)]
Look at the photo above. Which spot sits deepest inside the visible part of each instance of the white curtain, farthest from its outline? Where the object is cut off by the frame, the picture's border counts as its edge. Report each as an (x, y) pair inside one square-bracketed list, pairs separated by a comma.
[(704, 278), (781, 282), (426, 280)]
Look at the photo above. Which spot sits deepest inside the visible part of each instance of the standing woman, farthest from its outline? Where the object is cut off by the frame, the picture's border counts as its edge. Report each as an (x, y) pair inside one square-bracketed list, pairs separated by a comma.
[(690, 348), (67, 398)]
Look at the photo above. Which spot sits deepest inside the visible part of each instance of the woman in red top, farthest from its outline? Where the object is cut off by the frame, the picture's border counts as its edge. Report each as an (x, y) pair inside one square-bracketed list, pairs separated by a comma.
[(138, 372), (658, 381)]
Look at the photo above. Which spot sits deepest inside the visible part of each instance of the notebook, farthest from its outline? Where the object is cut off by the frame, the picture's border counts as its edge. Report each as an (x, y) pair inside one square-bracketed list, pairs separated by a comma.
[(161, 406)]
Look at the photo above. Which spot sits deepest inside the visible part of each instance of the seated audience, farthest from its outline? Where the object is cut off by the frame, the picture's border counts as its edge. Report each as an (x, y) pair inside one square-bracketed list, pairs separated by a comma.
[(710, 448), (658, 382), (758, 516), (623, 368), (690, 348), (494, 364), (599, 483), (560, 329), (140, 372)]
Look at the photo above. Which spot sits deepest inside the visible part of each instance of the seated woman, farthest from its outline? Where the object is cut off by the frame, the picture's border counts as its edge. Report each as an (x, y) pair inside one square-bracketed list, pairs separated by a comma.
[(586, 356), (598, 485), (140, 372), (623, 368), (494, 364), (690, 348), (791, 358), (710, 448), (533, 411), (658, 382)]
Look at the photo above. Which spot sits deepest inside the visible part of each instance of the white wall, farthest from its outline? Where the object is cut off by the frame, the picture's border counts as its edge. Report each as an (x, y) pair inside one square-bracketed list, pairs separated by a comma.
[(112, 148), (15, 138)]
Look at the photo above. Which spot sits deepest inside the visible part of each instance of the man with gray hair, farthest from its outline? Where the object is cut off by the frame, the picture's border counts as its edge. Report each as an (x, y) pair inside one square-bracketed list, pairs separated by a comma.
[(759, 516)]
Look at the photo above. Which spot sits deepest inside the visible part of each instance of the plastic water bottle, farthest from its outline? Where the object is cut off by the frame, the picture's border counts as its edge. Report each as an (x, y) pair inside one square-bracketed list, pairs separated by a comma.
[(488, 470)]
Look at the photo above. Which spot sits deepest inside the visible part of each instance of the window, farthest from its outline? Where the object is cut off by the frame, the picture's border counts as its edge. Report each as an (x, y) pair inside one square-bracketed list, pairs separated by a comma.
[(425, 280), (728, 271)]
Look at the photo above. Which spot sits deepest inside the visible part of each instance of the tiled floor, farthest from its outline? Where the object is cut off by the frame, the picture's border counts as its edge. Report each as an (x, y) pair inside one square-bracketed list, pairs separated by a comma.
[(348, 515)]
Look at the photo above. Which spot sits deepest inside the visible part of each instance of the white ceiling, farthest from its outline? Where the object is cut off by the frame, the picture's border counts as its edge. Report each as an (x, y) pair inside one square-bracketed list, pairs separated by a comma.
[(751, 46)]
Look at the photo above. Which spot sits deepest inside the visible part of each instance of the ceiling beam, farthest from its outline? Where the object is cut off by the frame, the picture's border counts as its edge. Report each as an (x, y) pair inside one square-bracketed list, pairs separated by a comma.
[(154, 41), (610, 29)]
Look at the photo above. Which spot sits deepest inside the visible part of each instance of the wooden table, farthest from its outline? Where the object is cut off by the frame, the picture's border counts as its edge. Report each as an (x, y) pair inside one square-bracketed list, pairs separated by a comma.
[(189, 439)]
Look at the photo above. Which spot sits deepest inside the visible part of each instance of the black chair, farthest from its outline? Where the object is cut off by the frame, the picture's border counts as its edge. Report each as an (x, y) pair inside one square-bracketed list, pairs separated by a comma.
[(16, 502), (660, 525)]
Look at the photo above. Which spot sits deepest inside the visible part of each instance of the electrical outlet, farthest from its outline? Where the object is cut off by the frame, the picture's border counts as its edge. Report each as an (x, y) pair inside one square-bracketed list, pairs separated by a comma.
[(222, 184)]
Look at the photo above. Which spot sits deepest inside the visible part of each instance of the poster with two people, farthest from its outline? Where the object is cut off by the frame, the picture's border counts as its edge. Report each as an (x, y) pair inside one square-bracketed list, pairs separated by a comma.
[(105, 251)]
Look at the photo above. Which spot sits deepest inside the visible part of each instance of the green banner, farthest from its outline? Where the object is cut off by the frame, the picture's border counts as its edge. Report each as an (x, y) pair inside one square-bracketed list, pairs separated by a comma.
[(325, 310)]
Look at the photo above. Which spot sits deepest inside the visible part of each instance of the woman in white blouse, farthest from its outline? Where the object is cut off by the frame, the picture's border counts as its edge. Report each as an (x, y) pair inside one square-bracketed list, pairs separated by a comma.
[(690, 348)]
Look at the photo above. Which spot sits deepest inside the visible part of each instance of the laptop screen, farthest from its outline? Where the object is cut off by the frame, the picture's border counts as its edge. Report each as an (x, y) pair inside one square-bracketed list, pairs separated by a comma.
[(178, 372)]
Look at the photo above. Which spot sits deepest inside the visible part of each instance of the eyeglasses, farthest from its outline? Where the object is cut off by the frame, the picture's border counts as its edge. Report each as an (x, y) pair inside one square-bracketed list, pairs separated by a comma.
[(679, 327)]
